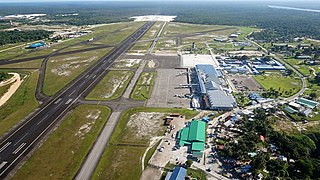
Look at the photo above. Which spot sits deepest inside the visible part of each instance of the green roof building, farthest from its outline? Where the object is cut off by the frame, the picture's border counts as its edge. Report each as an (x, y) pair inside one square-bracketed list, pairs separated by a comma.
[(193, 135), (306, 102)]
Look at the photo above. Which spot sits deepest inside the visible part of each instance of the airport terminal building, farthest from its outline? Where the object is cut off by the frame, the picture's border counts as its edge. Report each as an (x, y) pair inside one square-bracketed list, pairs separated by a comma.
[(211, 90)]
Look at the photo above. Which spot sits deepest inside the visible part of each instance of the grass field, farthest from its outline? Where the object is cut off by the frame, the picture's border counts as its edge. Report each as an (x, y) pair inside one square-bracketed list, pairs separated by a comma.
[(61, 70), (152, 33), (120, 32), (111, 86), (280, 83), (302, 68), (62, 153), (143, 88), (4, 89), (20, 104), (29, 64), (124, 162), (110, 34)]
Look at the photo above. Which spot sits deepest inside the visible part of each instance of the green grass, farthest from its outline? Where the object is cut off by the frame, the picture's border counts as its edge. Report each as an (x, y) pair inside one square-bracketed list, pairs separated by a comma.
[(143, 89), (288, 85), (54, 82), (245, 31), (174, 28), (196, 174), (301, 67), (4, 89), (61, 155), (103, 91), (29, 64), (20, 104), (119, 163), (124, 162), (104, 35)]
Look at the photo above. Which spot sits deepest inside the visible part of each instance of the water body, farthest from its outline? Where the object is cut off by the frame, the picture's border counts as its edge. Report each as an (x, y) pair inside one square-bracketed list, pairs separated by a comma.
[(293, 8)]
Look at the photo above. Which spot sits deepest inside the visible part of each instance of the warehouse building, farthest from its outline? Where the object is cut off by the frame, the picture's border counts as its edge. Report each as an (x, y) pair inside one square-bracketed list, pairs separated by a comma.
[(194, 137), (37, 45), (211, 90)]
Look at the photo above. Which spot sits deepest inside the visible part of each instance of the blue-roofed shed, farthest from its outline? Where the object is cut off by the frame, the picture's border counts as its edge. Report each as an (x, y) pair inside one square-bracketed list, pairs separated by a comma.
[(179, 173), (36, 45)]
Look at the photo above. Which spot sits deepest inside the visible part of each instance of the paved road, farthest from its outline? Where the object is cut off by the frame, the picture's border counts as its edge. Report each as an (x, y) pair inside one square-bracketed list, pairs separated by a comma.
[(93, 158), (18, 143)]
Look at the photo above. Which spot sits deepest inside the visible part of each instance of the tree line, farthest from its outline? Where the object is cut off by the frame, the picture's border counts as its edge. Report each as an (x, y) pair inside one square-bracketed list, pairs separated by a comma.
[(7, 37)]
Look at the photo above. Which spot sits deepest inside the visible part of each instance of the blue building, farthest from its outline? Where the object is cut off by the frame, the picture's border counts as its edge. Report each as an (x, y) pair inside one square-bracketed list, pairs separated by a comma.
[(179, 173), (36, 45)]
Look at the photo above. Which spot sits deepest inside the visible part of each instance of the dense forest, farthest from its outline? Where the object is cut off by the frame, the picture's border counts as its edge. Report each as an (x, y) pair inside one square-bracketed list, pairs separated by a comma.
[(7, 37), (278, 23)]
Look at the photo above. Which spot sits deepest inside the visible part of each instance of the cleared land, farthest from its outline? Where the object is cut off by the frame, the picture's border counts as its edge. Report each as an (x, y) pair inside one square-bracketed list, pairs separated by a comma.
[(111, 86), (245, 83), (288, 86), (127, 63), (62, 153), (63, 69), (144, 86), (122, 156), (20, 104)]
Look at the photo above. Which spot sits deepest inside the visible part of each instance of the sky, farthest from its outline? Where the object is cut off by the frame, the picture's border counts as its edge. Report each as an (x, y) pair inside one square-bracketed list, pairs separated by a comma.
[(146, 0)]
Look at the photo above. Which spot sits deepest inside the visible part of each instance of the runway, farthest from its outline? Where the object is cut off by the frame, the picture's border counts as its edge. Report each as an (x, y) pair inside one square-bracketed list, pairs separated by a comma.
[(18, 143)]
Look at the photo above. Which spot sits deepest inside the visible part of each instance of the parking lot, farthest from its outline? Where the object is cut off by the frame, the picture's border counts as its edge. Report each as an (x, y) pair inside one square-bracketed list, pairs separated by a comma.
[(245, 83), (166, 90)]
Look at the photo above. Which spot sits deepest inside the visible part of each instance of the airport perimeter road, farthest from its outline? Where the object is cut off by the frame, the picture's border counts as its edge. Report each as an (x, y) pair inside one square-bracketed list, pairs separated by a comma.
[(18, 143)]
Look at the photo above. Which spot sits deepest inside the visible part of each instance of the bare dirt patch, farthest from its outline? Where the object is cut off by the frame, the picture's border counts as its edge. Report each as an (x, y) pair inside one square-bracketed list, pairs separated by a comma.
[(66, 69), (91, 117), (117, 82), (127, 63), (145, 125)]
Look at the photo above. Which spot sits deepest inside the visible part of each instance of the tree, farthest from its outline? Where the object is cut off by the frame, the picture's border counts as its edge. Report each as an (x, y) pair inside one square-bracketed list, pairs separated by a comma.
[(189, 162)]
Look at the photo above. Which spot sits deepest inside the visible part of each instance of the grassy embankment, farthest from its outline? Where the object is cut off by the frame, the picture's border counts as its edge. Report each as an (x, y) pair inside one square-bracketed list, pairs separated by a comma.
[(62, 153)]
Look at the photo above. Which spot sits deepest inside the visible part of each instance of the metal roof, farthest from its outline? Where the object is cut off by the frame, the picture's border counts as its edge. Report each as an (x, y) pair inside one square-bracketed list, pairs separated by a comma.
[(290, 110), (306, 102), (197, 146), (179, 173), (219, 99), (197, 131)]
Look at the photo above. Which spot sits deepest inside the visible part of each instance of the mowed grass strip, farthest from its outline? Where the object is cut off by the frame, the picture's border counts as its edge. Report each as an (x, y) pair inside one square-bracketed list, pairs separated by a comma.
[(61, 155), (28, 64), (4, 89), (111, 86), (287, 85), (22, 103), (61, 70), (124, 162), (144, 86)]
